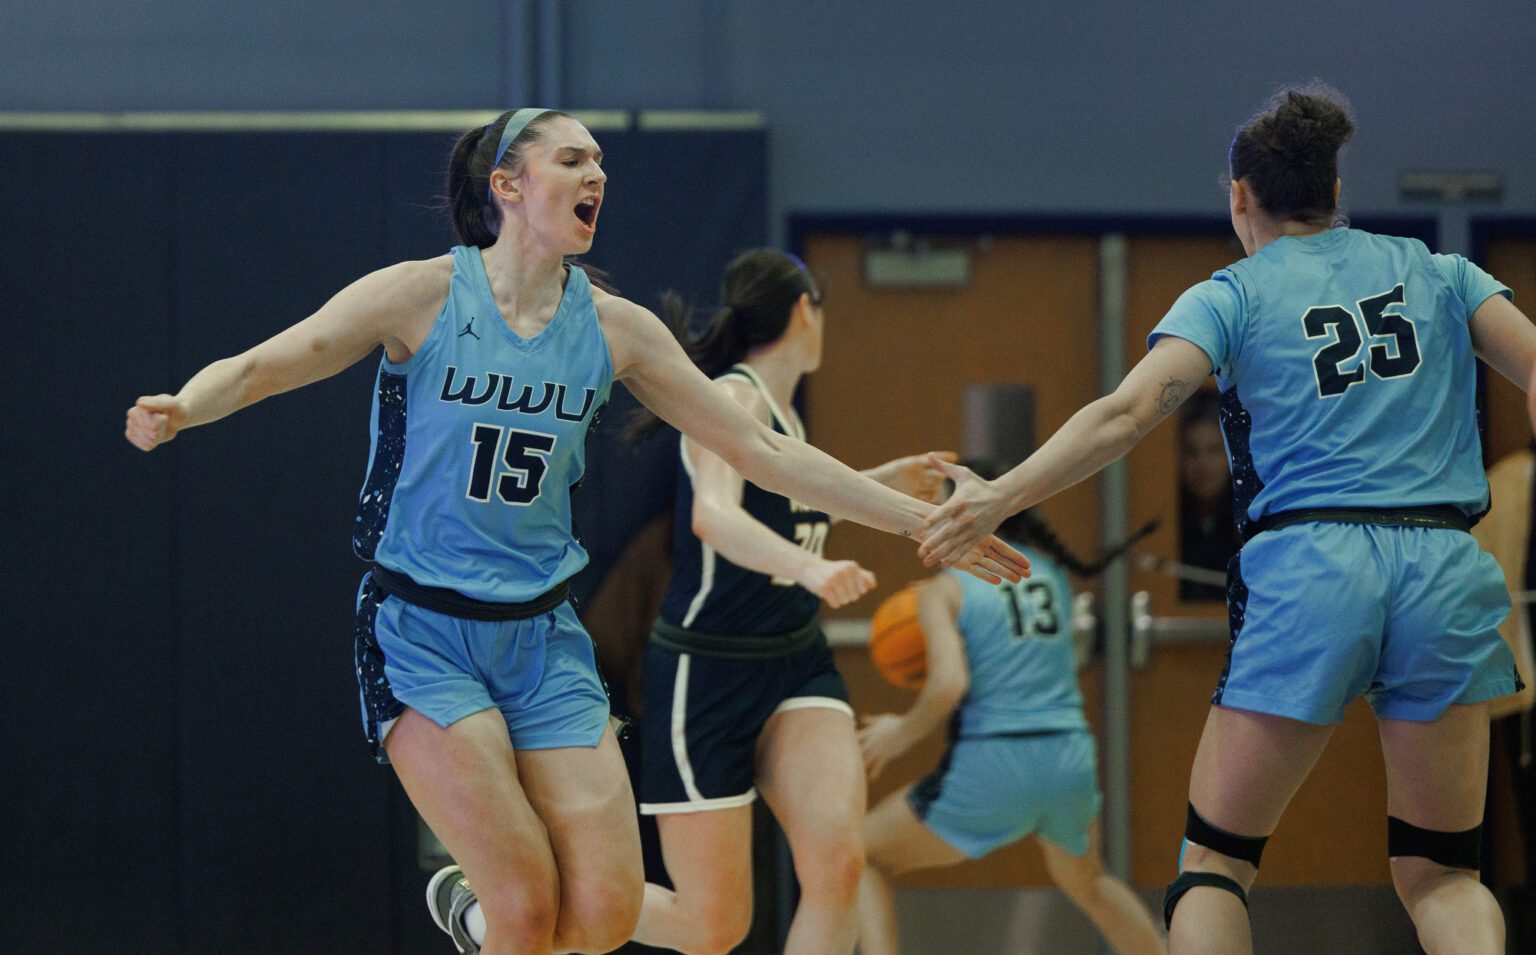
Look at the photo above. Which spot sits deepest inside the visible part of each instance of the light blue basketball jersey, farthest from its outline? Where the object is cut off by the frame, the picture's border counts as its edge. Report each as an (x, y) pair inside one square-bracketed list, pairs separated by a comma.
[(478, 440), (1346, 371), (1018, 646)]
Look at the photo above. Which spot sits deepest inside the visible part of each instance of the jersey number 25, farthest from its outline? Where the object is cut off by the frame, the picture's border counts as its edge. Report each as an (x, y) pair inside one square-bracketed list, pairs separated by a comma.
[(1397, 357)]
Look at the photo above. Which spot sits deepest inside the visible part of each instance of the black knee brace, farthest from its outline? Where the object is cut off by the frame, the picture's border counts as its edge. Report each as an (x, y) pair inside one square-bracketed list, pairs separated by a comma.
[(1189, 880), (1247, 848), (1457, 850), (1201, 833)]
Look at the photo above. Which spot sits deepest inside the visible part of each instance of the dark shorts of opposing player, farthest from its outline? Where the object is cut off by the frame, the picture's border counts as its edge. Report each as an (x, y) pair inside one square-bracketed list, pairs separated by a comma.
[(704, 713), (1324, 612), (540, 672), (990, 791)]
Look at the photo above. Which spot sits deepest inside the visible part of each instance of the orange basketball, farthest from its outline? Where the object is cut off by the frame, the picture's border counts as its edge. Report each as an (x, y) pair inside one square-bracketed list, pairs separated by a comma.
[(896, 643)]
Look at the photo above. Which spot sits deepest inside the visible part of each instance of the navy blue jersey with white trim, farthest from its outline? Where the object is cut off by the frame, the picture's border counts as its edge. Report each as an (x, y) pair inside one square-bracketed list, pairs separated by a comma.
[(478, 440), (712, 595), (1346, 370)]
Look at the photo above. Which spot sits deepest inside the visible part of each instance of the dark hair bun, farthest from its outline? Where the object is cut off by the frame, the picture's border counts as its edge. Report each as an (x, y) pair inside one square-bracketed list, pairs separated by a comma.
[(1289, 152), (1310, 127)]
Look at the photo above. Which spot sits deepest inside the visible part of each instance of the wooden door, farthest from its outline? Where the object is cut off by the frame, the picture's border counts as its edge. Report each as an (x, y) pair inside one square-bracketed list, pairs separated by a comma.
[(1511, 260), (892, 383)]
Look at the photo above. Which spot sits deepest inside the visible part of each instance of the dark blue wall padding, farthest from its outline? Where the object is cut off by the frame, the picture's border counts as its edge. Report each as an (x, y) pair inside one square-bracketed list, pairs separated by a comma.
[(183, 768)]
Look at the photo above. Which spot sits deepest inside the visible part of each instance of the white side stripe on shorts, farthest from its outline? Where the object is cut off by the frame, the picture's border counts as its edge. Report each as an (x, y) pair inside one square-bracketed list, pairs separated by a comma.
[(680, 728), (814, 703)]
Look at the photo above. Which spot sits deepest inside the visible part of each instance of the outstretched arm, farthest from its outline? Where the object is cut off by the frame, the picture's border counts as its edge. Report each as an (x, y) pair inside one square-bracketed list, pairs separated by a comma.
[(887, 736), (911, 475), (365, 314), (720, 521), (1506, 340), (1098, 434), (648, 359)]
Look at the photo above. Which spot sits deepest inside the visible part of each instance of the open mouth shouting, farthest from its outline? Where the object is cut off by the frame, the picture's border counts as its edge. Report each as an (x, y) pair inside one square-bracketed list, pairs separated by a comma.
[(586, 214)]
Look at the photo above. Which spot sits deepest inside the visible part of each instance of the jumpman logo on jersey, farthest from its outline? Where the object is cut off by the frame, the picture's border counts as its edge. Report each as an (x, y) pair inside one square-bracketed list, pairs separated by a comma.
[(469, 328)]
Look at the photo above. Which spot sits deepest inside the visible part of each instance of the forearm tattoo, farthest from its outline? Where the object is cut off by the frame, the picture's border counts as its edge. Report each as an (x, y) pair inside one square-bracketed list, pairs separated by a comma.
[(1173, 394)]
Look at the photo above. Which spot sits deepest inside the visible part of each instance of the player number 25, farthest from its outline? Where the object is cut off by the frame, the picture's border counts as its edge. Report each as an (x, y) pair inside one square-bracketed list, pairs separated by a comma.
[(1396, 357)]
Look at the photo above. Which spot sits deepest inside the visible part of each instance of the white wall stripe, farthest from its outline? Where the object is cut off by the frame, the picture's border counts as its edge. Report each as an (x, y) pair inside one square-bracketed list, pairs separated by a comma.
[(659, 119), (680, 728)]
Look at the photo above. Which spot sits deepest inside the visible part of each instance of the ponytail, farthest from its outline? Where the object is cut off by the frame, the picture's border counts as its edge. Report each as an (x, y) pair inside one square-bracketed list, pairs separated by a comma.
[(1027, 528), (477, 220), (761, 288)]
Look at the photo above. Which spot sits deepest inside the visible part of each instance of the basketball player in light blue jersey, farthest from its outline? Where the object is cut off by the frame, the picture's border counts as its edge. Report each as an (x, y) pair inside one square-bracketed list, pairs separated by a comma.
[(742, 696), (476, 679), (1002, 673), (1346, 366)]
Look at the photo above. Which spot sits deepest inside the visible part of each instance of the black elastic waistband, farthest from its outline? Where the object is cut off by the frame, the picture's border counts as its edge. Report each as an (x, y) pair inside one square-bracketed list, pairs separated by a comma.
[(741, 646), (455, 604), (1436, 515)]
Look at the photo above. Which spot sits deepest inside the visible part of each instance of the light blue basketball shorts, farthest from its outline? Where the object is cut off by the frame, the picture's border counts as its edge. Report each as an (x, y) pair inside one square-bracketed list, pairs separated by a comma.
[(993, 790), (1323, 612), (541, 673)]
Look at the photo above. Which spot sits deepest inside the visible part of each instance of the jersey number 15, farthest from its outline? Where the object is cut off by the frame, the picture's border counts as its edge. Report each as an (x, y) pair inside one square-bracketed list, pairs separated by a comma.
[(525, 455)]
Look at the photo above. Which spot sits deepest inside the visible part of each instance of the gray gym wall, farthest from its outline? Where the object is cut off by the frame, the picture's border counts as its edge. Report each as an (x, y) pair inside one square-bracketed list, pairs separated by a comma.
[(896, 105)]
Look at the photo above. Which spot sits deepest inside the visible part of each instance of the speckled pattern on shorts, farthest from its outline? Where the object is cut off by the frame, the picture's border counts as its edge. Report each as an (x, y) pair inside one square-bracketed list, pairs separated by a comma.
[(374, 693)]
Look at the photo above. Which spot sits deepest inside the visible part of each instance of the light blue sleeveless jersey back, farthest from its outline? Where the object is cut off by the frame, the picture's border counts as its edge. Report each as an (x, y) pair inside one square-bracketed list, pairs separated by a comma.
[(1346, 370), (479, 439), (1019, 648)]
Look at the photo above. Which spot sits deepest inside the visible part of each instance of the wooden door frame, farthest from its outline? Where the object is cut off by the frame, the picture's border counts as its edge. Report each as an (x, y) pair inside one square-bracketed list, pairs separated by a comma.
[(1484, 229), (802, 225)]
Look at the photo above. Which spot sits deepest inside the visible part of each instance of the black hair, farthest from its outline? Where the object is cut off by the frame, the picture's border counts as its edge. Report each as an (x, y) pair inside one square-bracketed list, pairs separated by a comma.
[(1029, 529), (760, 290), (1288, 152), (476, 219)]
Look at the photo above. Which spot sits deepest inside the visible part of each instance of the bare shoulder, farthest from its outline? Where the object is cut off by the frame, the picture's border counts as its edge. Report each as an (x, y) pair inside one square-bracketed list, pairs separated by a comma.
[(410, 285), (404, 298), (616, 310), (632, 331), (747, 395)]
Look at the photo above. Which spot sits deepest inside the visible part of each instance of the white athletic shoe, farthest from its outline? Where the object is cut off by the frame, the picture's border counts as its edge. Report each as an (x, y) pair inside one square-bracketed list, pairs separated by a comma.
[(448, 898)]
